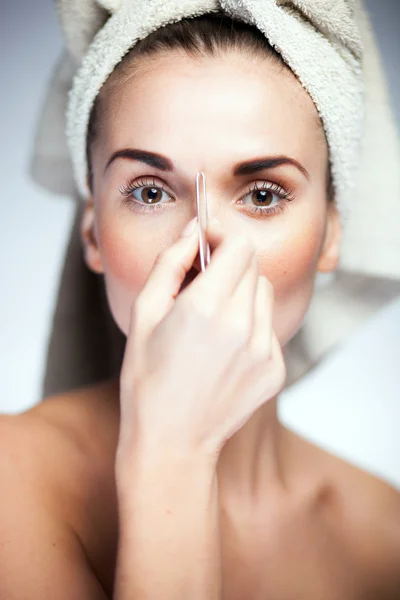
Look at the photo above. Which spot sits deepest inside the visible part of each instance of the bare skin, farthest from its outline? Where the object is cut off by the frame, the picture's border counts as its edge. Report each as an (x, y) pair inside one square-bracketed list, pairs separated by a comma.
[(295, 522), (332, 527)]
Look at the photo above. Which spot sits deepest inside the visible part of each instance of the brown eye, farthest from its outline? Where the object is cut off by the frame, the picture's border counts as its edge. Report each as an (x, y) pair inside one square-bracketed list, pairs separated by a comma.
[(263, 197), (266, 199), (150, 195), (144, 195)]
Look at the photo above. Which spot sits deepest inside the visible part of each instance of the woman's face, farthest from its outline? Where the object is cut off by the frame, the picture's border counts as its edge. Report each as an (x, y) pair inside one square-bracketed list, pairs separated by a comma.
[(211, 115)]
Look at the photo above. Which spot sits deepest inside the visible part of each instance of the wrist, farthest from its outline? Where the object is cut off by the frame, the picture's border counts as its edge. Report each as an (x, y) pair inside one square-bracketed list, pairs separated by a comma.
[(163, 462), (154, 444)]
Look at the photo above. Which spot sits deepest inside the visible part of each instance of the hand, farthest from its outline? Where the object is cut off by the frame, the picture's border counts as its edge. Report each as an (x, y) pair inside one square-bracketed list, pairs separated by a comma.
[(199, 363)]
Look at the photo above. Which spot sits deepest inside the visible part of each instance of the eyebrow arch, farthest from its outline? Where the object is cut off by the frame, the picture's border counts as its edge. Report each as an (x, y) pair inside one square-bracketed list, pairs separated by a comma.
[(150, 158), (270, 162), (244, 168)]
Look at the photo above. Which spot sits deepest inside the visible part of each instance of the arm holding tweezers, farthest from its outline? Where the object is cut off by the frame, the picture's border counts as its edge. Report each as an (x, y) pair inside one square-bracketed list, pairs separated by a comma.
[(169, 544)]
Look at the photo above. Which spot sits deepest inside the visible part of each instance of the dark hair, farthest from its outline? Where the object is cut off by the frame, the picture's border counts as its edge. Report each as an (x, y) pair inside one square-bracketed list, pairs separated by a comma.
[(206, 35)]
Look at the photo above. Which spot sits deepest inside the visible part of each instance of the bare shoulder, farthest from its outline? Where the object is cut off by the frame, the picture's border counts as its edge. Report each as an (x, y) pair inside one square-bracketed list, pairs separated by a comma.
[(364, 511), (85, 420), (64, 442), (54, 460)]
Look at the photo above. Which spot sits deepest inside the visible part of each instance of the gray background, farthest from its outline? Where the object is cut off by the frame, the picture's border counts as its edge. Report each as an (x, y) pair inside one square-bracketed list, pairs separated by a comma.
[(350, 405)]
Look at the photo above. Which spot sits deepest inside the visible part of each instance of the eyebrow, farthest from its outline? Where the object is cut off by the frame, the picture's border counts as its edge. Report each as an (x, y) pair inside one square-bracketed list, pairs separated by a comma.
[(163, 163), (269, 162), (149, 158)]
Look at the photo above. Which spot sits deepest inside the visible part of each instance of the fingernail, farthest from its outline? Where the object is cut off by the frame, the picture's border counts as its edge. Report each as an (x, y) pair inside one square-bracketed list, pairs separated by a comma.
[(190, 227)]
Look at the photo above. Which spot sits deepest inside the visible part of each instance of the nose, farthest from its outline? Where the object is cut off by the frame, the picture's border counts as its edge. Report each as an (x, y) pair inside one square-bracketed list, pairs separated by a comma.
[(213, 208), (209, 197)]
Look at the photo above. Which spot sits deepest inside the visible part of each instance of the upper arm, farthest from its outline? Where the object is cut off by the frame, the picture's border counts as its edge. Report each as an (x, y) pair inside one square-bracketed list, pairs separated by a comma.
[(40, 556)]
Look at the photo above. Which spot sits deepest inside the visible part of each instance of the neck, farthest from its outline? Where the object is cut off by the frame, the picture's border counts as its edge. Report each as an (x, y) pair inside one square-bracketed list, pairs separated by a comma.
[(251, 461), (249, 464)]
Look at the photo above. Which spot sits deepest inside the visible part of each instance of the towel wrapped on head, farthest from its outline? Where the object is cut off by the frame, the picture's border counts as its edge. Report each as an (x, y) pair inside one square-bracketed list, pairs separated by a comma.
[(329, 45)]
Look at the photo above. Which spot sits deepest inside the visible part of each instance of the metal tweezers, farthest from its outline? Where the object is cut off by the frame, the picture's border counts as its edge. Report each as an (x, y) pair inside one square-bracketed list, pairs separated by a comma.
[(202, 218)]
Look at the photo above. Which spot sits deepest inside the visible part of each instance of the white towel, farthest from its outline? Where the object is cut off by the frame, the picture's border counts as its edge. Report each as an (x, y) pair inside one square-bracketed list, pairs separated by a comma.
[(305, 32), (330, 45)]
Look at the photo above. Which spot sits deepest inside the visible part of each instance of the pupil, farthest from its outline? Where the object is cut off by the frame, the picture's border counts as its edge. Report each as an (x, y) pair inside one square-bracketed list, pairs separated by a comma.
[(150, 195)]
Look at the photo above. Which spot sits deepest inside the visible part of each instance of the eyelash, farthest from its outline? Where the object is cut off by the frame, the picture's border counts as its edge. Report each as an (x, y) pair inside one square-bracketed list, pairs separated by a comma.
[(285, 195)]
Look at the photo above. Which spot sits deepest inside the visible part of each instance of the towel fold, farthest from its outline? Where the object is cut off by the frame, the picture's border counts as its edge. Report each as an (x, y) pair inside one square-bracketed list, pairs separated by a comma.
[(330, 46)]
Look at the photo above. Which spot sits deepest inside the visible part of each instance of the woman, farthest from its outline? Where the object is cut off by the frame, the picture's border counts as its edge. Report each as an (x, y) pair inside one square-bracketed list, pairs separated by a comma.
[(177, 479)]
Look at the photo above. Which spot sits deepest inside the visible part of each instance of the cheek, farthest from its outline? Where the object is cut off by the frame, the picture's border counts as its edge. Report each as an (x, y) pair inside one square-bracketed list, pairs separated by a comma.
[(128, 255), (289, 262), (291, 268)]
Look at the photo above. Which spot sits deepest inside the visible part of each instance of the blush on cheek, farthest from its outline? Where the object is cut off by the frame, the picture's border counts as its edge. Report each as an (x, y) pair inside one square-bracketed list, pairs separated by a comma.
[(291, 268), (128, 256), (128, 261)]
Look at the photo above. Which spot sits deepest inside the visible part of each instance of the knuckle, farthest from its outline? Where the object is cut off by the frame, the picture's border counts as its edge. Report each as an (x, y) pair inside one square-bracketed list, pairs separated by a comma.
[(279, 379), (282, 372), (279, 371), (272, 371), (260, 352)]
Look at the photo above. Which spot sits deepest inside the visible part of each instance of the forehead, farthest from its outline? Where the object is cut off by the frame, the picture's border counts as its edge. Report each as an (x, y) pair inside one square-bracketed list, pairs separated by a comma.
[(205, 108)]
